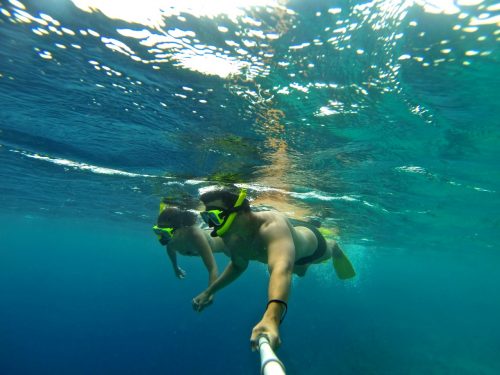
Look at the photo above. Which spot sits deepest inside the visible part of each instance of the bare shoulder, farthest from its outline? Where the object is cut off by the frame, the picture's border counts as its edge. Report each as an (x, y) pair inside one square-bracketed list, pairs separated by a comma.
[(193, 230), (271, 217), (273, 224), (192, 235)]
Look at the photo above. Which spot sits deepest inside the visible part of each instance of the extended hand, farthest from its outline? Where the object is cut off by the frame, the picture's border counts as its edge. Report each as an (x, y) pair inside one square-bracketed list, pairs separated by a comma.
[(266, 327), (202, 300), (180, 273)]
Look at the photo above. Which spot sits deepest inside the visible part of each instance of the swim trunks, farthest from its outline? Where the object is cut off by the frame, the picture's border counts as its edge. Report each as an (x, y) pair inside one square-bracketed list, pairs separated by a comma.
[(320, 250)]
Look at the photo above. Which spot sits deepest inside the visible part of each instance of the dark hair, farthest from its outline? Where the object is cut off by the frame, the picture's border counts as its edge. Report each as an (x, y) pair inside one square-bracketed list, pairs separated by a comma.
[(229, 198), (176, 218)]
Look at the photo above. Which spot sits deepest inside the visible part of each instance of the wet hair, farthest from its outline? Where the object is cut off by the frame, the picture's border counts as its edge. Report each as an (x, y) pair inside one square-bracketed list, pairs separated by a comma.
[(227, 197), (176, 218)]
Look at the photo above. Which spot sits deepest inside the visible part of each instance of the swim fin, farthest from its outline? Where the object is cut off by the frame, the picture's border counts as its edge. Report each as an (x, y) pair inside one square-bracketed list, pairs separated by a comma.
[(342, 265)]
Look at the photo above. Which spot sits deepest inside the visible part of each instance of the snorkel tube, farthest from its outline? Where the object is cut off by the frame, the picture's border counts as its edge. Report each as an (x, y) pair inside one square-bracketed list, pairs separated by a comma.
[(224, 228), (163, 205)]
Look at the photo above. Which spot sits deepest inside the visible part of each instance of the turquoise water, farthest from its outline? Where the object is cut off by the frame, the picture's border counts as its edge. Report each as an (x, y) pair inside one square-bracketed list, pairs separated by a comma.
[(380, 117)]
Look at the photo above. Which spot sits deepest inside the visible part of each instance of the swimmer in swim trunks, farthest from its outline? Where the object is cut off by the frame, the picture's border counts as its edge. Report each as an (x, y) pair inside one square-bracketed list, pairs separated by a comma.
[(179, 232), (268, 237)]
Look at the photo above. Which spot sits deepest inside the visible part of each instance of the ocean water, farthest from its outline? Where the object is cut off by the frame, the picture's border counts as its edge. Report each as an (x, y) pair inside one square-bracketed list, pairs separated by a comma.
[(379, 117)]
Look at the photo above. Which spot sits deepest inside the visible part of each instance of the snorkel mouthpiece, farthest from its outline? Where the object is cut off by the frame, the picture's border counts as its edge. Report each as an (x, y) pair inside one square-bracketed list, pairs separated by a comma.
[(229, 220)]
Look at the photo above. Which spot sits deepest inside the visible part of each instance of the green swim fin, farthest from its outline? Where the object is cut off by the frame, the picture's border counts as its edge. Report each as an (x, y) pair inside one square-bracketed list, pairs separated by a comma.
[(342, 265)]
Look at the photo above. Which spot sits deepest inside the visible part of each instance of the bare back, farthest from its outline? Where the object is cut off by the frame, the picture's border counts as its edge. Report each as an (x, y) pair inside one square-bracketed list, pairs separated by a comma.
[(270, 226)]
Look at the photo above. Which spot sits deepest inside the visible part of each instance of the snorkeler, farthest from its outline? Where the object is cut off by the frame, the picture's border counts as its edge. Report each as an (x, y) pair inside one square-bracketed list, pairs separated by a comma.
[(179, 232), (268, 237)]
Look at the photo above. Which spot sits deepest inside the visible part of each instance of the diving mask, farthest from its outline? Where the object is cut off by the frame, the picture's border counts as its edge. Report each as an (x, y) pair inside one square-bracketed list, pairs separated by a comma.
[(214, 218), (221, 220), (165, 235)]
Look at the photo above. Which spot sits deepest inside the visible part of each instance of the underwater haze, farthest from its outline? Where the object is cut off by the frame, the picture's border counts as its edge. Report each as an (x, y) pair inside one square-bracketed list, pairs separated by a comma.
[(378, 117)]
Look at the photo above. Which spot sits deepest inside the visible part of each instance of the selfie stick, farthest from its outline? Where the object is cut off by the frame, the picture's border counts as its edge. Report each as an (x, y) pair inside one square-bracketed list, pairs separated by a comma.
[(269, 363)]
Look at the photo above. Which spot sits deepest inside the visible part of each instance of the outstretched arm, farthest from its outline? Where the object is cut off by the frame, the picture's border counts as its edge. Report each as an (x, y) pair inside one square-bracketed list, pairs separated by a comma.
[(281, 257), (172, 255), (233, 270), (200, 242)]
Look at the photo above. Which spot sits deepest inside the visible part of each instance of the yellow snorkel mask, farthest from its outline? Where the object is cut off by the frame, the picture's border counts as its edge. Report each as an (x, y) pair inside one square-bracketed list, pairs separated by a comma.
[(221, 220), (164, 234)]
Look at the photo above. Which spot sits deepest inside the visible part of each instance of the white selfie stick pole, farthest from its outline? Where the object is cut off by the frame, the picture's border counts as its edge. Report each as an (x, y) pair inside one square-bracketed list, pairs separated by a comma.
[(269, 363)]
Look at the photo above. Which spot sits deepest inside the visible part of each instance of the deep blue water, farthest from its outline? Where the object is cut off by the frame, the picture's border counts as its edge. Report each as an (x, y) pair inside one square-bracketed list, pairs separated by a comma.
[(380, 117)]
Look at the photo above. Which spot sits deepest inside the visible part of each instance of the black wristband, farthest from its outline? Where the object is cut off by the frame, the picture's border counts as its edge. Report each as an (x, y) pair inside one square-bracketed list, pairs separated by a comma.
[(281, 302)]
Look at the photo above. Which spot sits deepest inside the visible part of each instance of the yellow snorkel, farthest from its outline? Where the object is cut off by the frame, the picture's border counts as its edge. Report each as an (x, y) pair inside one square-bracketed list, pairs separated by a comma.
[(163, 205), (224, 228)]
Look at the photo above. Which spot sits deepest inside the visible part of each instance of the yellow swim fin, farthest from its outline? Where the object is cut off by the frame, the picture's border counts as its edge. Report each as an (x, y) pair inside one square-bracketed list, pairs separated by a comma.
[(326, 232), (342, 265)]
